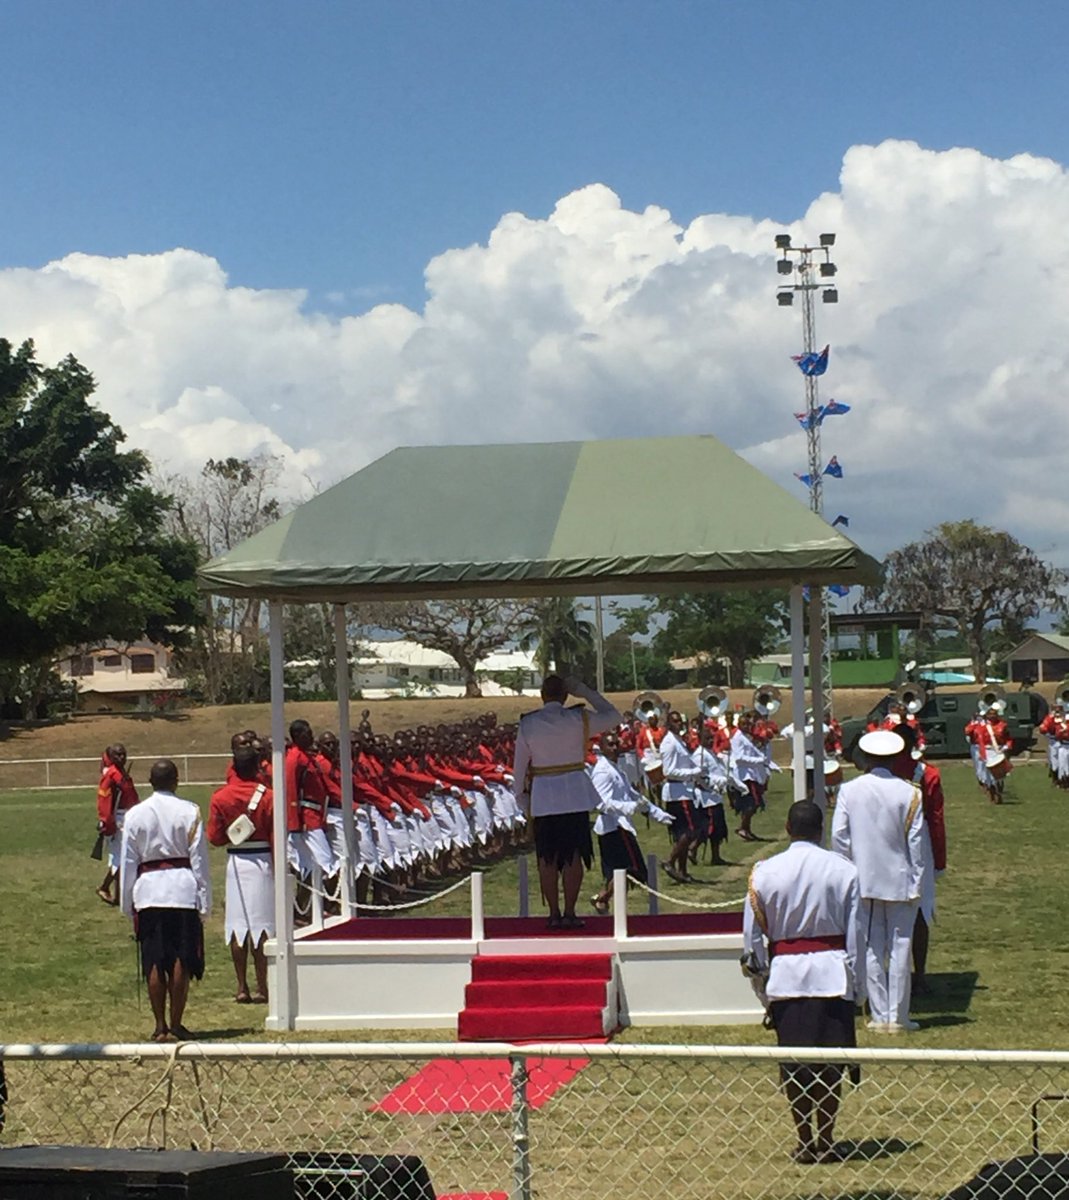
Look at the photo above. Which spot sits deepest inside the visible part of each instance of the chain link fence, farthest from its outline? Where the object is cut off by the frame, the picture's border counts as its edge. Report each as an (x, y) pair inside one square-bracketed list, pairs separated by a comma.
[(623, 1122)]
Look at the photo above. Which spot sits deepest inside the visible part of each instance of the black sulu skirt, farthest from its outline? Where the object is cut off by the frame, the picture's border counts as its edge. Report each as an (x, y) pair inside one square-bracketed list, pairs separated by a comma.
[(559, 837), (170, 935)]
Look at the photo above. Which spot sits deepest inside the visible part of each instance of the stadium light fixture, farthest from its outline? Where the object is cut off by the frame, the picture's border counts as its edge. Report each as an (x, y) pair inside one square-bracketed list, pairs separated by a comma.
[(827, 239), (785, 299), (830, 296), (783, 241), (827, 269), (784, 266)]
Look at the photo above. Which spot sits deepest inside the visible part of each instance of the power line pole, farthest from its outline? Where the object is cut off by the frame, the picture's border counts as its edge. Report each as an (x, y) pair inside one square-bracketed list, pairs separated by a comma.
[(811, 270)]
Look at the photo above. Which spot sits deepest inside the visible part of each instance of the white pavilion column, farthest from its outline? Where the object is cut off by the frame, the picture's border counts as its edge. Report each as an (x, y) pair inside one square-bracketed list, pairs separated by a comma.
[(816, 687), (284, 998), (797, 611), (341, 674)]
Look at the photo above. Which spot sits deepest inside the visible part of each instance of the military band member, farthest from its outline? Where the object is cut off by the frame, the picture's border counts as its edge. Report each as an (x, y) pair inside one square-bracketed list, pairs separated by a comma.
[(552, 786), (990, 740), (804, 942), (116, 795), (677, 797), (879, 826)]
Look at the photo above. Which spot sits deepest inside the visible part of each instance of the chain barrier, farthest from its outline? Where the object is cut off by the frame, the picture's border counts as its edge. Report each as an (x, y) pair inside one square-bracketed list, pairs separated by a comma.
[(616, 1122)]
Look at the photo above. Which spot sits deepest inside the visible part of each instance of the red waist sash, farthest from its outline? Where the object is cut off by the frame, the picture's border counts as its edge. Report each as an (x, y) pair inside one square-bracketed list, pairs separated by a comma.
[(162, 864), (808, 945)]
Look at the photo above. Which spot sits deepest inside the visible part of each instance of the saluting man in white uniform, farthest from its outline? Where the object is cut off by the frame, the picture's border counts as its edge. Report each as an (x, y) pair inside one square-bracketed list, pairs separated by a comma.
[(552, 786), (879, 826)]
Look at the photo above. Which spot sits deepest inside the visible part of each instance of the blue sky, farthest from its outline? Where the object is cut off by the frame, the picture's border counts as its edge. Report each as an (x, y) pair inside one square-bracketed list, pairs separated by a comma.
[(287, 229), (339, 146)]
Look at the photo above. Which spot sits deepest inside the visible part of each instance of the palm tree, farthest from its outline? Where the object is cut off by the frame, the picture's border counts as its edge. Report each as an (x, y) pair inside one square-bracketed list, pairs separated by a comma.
[(561, 638)]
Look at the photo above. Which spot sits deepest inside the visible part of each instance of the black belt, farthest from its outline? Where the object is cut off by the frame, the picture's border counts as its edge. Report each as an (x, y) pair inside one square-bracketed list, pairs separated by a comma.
[(250, 848)]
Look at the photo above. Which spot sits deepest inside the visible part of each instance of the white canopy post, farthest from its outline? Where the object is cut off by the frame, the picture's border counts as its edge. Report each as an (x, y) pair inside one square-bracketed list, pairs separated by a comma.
[(285, 989), (345, 752), (816, 686), (797, 610)]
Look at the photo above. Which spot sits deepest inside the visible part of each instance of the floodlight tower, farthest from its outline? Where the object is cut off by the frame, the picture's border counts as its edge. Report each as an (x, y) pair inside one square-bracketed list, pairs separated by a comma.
[(811, 270)]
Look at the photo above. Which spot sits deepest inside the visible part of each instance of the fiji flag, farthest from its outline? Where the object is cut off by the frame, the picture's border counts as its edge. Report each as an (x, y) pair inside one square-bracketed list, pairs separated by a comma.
[(812, 364), (834, 408), (808, 421), (833, 468), (841, 520), (838, 589), (807, 480)]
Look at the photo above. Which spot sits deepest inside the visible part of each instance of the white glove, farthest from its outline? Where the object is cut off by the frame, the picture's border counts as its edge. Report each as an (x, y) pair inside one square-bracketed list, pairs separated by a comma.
[(658, 814)]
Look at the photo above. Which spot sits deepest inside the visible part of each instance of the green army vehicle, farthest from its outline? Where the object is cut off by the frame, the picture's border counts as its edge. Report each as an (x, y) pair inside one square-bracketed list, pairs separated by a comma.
[(943, 716)]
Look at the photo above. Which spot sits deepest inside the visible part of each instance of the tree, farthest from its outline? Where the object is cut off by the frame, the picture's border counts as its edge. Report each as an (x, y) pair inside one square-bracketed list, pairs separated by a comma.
[(85, 553), (709, 626), (561, 639), (466, 630), (971, 579), (233, 498)]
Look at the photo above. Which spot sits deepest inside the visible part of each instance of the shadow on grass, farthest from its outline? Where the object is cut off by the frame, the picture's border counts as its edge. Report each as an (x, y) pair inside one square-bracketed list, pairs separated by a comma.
[(949, 992), (870, 1149)]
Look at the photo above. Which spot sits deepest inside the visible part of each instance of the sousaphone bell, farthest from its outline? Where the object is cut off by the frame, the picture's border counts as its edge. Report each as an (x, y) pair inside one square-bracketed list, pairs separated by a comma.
[(648, 704), (993, 696), (713, 702), (766, 700), (1061, 693), (912, 697)]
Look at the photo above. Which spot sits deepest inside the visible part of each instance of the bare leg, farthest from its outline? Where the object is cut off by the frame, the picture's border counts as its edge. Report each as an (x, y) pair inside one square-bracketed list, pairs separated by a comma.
[(801, 1103), (178, 987), (259, 961), (572, 877), (547, 876), (826, 1098), (157, 997), (239, 953)]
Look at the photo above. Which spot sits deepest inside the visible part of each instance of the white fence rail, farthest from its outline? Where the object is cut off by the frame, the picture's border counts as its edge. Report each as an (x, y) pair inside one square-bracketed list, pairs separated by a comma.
[(617, 1122), (83, 773)]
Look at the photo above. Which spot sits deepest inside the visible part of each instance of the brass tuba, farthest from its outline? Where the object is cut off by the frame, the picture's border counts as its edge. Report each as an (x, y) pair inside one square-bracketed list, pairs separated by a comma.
[(713, 702), (1061, 692), (993, 696), (912, 697), (766, 699), (649, 704)]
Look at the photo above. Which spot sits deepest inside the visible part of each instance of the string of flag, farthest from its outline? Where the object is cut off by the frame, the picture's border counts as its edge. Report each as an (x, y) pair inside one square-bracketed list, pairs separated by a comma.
[(814, 363)]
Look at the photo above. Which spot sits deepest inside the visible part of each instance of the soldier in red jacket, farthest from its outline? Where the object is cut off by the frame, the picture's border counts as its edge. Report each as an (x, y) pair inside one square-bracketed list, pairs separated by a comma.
[(116, 795), (250, 893)]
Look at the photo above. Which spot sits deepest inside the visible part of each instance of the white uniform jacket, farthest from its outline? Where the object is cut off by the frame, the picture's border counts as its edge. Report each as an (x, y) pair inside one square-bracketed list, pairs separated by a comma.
[(553, 736), (806, 892), (617, 799), (713, 781), (165, 827), (879, 826), (748, 760), (680, 770)]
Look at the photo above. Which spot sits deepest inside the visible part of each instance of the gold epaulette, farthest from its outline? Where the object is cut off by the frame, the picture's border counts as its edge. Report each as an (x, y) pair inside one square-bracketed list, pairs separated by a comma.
[(755, 904)]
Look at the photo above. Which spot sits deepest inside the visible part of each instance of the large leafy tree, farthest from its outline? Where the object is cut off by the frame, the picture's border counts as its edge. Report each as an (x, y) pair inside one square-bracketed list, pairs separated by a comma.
[(981, 583), (711, 626), (85, 555)]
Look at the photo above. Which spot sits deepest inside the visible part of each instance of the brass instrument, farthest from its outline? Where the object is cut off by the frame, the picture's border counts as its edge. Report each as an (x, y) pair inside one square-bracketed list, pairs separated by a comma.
[(993, 696), (766, 700), (1061, 693), (912, 697), (713, 702), (649, 704)]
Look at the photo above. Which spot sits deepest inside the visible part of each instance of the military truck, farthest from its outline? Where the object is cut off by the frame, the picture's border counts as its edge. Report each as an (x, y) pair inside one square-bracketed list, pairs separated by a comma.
[(944, 715)]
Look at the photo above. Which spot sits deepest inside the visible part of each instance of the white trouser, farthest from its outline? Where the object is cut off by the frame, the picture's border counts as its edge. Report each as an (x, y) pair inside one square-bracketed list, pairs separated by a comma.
[(888, 927)]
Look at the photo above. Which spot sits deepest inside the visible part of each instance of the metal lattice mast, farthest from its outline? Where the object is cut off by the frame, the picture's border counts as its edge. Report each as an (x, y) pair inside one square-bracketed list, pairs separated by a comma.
[(807, 281)]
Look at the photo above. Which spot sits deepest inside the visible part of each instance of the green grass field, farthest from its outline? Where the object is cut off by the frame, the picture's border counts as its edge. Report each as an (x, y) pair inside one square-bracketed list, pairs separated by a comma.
[(999, 960)]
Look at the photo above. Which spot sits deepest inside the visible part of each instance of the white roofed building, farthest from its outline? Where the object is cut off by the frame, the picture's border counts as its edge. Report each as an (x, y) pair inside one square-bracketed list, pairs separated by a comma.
[(401, 668)]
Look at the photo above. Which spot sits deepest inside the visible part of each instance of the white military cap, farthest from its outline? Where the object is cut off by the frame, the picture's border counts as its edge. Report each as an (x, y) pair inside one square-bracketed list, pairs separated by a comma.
[(881, 743)]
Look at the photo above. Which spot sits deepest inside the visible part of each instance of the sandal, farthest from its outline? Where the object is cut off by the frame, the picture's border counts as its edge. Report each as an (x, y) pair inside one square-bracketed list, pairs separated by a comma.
[(601, 907), (243, 997), (572, 922), (257, 998), (161, 1035), (553, 923)]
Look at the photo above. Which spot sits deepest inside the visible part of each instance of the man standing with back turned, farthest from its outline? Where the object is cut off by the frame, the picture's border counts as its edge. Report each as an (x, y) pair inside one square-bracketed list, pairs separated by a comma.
[(167, 890), (879, 826), (552, 786), (802, 928)]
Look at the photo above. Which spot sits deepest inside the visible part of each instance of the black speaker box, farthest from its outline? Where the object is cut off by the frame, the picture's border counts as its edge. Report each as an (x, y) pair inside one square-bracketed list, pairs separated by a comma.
[(90, 1173), (1030, 1177), (344, 1176)]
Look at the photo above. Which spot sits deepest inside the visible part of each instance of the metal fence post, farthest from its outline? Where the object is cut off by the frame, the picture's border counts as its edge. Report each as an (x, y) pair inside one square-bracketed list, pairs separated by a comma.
[(521, 1146), (651, 871), (524, 885)]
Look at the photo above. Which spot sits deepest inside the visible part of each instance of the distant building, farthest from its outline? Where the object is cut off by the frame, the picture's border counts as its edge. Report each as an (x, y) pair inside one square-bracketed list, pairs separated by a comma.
[(1043, 657), (387, 669), (114, 677)]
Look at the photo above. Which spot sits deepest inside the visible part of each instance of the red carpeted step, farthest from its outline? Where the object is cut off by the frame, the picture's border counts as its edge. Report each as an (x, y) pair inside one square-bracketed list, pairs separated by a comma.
[(530, 1024), (534, 993), (541, 966)]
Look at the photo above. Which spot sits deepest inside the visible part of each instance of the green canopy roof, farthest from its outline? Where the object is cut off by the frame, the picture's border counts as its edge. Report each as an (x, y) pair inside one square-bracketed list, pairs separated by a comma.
[(576, 518)]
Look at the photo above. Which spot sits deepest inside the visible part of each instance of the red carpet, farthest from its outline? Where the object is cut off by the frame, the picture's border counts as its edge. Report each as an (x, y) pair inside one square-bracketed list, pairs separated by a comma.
[(402, 928), (450, 1085), (535, 998)]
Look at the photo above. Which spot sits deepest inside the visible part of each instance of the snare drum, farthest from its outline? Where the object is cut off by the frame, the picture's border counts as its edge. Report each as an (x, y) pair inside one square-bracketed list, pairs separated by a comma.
[(654, 770), (998, 764), (833, 773)]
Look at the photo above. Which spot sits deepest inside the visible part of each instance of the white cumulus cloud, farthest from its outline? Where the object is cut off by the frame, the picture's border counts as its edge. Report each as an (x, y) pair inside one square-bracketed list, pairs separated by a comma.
[(597, 321)]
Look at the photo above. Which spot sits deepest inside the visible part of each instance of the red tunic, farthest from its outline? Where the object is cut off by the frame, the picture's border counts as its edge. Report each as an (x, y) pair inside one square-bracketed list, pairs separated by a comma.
[(230, 801), (306, 792), (116, 793)]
